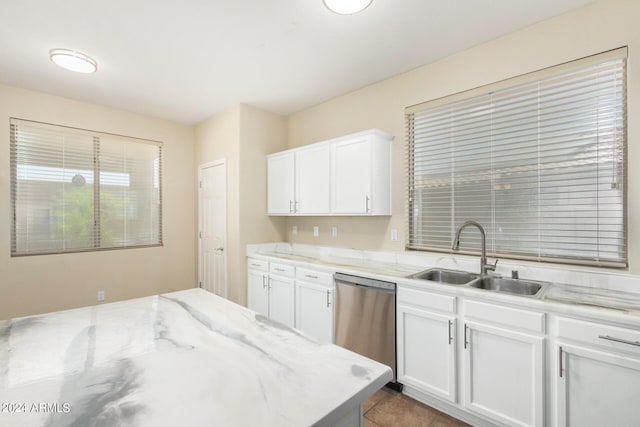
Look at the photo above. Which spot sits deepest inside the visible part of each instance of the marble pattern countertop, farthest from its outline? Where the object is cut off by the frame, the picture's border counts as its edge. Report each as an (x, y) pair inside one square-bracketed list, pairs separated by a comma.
[(184, 358), (614, 292)]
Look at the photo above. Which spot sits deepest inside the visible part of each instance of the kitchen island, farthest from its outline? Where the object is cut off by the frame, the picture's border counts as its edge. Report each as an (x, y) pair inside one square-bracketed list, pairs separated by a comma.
[(184, 358)]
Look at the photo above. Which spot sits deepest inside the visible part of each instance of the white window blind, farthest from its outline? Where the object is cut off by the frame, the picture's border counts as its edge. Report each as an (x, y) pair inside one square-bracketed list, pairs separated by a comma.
[(538, 160), (75, 190)]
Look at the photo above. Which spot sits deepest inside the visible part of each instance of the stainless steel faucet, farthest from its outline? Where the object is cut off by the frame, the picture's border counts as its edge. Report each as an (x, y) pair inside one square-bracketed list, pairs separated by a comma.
[(484, 266)]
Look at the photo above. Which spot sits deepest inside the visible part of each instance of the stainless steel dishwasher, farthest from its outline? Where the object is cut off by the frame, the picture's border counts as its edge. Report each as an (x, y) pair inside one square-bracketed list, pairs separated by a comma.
[(365, 318)]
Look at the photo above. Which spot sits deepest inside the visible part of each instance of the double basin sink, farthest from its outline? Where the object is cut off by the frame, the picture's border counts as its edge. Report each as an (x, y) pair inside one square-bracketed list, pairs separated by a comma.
[(521, 287)]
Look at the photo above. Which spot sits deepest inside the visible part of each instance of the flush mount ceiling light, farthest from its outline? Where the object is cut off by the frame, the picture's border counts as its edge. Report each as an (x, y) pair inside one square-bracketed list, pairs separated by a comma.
[(347, 7), (72, 60)]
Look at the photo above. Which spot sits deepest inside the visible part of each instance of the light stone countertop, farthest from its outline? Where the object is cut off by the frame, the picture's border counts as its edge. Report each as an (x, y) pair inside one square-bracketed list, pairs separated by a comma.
[(185, 358), (580, 290)]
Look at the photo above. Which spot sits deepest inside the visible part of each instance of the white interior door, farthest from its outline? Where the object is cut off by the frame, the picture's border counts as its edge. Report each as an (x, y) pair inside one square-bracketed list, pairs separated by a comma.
[(213, 227)]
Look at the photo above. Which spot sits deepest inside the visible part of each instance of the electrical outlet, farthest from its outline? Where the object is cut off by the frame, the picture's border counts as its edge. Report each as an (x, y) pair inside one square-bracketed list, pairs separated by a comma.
[(316, 231), (334, 231), (294, 230), (100, 295), (394, 234)]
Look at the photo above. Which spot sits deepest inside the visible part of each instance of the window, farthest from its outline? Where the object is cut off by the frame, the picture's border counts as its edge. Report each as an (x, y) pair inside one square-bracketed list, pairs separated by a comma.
[(74, 190), (538, 160)]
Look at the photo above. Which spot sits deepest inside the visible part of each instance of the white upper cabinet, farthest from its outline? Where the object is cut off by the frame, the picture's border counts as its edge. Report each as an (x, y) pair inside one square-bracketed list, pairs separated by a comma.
[(313, 180), (350, 175), (280, 182), (361, 171)]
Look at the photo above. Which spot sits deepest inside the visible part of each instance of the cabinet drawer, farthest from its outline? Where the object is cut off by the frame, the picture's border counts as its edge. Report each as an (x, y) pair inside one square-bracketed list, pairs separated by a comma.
[(313, 276), (282, 269), (505, 316), (444, 303), (257, 264), (599, 334)]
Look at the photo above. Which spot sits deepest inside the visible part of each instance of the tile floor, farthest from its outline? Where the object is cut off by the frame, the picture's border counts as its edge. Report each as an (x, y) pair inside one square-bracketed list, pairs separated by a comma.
[(388, 408)]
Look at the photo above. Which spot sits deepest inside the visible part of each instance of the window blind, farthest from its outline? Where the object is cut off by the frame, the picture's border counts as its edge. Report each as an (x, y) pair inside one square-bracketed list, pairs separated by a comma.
[(538, 160), (76, 190)]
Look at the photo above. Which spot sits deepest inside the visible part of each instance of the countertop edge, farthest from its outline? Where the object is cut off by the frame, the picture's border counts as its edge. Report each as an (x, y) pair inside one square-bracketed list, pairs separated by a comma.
[(619, 316)]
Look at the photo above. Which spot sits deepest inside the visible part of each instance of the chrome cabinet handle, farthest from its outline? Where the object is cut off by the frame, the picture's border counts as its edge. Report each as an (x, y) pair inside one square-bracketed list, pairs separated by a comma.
[(279, 269), (264, 284), (366, 206), (450, 335), (328, 298), (255, 265), (290, 206), (560, 361), (610, 338), (310, 276), (269, 282), (295, 206), (466, 341)]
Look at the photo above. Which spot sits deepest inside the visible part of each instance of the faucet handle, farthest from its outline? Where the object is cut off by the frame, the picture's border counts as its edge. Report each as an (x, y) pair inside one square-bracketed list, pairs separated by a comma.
[(491, 267)]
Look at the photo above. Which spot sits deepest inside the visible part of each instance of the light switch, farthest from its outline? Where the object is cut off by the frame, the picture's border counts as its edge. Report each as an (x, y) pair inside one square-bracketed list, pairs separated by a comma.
[(394, 234), (294, 230), (334, 231), (316, 231)]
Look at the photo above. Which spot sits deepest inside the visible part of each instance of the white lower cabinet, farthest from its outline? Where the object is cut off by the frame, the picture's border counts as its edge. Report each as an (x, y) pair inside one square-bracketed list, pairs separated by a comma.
[(489, 373), (504, 363), (272, 295), (282, 300), (597, 388), (504, 374), (426, 343), (597, 375), (257, 288), (314, 304)]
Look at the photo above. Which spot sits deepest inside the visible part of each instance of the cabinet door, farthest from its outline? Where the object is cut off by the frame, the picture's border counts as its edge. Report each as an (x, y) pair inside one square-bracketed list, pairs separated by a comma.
[(352, 176), (258, 292), (426, 351), (314, 311), (282, 300), (313, 180), (280, 184), (596, 388), (504, 374)]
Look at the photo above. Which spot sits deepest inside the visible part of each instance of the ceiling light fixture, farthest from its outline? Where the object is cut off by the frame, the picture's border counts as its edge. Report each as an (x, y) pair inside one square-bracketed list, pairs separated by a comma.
[(347, 7), (72, 60)]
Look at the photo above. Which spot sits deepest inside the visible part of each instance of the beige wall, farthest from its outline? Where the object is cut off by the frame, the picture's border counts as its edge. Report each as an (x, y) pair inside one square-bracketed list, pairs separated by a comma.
[(261, 133), (37, 284), (243, 136), (602, 26)]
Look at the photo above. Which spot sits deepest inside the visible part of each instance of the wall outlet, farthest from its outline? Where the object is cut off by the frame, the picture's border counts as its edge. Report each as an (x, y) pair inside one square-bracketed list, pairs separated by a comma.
[(316, 231), (100, 295), (394, 234), (294, 230), (334, 231)]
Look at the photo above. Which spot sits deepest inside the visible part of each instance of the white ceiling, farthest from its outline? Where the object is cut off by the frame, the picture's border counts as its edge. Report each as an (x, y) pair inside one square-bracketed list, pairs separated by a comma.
[(187, 60)]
